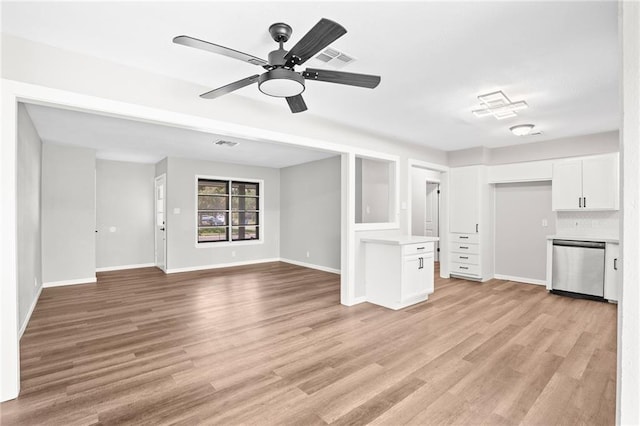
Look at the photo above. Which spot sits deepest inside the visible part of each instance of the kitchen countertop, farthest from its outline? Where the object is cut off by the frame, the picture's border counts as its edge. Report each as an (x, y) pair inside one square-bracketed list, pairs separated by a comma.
[(583, 238), (400, 240)]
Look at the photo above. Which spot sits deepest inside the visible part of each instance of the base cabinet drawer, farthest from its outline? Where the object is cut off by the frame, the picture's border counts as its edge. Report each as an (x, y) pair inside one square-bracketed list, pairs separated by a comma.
[(465, 248), (411, 249), (465, 269), (465, 238), (471, 259)]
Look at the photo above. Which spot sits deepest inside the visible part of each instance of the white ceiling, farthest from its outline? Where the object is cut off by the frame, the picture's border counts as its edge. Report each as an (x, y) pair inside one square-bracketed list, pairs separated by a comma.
[(120, 139), (435, 58)]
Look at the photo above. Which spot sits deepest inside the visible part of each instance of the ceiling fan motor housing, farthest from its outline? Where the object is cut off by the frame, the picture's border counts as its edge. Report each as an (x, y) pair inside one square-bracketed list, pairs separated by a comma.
[(276, 58)]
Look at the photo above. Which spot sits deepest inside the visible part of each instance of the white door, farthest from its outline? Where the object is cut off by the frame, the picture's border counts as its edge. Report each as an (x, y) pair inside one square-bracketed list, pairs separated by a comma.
[(464, 200), (566, 186), (160, 224), (599, 182), (431, 209)]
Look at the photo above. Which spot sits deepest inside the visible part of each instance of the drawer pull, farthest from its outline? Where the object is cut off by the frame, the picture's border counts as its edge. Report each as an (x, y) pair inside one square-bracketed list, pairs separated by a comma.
[(463, 257), (464, 247), (464, 237), (463, 267), (420, 248)]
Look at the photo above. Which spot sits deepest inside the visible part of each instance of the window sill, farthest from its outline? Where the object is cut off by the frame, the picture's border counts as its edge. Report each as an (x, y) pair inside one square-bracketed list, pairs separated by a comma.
[(217, 244)]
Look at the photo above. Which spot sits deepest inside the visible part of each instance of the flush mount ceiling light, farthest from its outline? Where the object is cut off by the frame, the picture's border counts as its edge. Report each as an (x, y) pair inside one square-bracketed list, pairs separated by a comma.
[(498, 105), (522, 129)]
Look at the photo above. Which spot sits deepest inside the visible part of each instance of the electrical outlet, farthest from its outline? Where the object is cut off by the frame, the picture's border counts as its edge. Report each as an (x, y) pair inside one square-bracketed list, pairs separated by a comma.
[(307, 254), (544, 223), (233, 253), (35, 281)]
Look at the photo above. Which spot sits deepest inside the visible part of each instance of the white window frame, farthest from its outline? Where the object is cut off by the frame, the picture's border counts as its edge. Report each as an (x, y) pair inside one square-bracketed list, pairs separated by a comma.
[(261, 224)]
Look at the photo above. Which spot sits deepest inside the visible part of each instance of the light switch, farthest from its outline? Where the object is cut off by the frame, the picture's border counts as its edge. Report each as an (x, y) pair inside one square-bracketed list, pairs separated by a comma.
[(544, 223), (176, 210)]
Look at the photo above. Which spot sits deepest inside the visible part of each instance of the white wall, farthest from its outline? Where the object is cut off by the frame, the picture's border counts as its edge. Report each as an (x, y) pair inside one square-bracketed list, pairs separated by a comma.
[(124, 214), (28, 209), (182, 250), (520, 239), (310, 213), (604, 224), (68, 214)]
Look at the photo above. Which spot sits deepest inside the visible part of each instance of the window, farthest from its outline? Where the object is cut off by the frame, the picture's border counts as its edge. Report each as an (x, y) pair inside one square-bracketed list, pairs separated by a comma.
[(228, 210)]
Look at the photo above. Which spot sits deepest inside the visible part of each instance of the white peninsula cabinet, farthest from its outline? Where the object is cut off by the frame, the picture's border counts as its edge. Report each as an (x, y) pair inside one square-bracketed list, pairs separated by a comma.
[(398, 270), (586, 184), (470, 223)]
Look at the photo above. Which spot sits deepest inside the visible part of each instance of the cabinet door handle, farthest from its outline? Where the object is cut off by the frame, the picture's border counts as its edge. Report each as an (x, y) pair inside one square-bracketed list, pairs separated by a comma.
[(615, 264), (476, 227), (420, 263), (580, 202), (584, 202)]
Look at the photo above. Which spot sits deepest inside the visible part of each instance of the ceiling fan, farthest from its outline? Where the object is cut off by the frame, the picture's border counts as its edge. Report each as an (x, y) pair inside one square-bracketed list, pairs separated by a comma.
[(280, 79)]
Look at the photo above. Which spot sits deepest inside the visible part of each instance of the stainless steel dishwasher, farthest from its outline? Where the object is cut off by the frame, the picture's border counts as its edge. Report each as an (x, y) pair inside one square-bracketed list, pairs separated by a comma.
[(578, 268)]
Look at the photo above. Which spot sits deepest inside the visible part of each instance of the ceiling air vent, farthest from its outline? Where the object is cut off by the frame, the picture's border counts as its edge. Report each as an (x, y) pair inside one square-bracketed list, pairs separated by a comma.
[(334, 57), (226, 143)]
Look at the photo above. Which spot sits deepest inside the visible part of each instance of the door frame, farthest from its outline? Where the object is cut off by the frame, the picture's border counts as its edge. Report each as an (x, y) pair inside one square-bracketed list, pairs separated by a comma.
[(163, 176), (437, 244)]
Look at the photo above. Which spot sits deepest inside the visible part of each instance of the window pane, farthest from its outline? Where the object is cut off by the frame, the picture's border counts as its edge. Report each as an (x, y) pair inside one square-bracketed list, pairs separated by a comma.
[(243, 218), (212, 218), (211, 187), (244, 203), (213, 234), (244, 188), (212, 202), (244, 233)]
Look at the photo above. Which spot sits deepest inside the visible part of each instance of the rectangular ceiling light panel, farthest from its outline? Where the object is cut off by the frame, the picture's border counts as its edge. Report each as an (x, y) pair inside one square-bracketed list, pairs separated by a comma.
[(498, 105)]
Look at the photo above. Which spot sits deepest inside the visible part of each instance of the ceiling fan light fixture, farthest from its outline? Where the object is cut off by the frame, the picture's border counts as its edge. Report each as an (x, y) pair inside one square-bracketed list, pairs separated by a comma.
[(281, 83), (522, 129)]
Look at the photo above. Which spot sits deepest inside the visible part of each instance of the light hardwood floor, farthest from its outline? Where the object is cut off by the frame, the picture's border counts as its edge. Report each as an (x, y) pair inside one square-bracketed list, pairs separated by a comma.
[(270, 344)]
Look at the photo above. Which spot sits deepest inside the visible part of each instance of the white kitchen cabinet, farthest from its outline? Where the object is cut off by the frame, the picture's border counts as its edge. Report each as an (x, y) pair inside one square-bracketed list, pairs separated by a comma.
[(587, 184), (398, 271), (470, 223), (612, 272), (464, 199)]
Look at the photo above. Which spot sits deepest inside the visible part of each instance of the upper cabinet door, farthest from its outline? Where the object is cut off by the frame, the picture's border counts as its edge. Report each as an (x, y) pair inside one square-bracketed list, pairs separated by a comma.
[(600, 183), (566, 189), (464, 199)]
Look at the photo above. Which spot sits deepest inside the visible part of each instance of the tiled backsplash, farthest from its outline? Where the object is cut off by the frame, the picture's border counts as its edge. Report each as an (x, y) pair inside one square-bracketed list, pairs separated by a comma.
[(596, 224)]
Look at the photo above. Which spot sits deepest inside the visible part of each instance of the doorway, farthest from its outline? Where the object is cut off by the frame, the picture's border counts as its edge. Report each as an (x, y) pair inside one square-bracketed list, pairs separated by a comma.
[(432, 214), (160, 225)]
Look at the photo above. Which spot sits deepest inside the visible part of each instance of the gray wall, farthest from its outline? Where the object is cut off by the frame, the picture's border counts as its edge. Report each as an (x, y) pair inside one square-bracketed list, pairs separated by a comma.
[(28, 206), (181, 227), (124, 213), (520, 238), (310, 212), (375, 191), (68, 213)]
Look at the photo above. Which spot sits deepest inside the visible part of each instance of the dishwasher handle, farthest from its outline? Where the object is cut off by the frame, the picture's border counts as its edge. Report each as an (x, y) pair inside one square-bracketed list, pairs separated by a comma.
[(584, 244)]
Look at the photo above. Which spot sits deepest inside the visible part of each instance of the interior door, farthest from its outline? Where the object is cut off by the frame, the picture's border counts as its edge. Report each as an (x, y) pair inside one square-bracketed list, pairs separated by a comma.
[(431, 210), (160, 223)]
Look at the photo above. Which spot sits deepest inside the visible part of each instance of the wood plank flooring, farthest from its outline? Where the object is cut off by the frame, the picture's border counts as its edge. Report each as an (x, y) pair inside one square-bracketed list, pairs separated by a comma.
[(270, 344)]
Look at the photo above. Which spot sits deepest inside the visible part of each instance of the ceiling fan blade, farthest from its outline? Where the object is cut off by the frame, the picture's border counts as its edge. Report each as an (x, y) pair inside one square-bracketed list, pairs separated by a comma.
[(221, 50), (296, 104), (216, 93), (320, 36), (351, 79)]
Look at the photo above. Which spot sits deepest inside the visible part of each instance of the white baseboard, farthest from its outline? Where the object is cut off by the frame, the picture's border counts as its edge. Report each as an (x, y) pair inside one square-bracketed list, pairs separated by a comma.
[(220, 265), (31, 308), (121, 267), (311, 266), (87, 280), (520, 279)]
